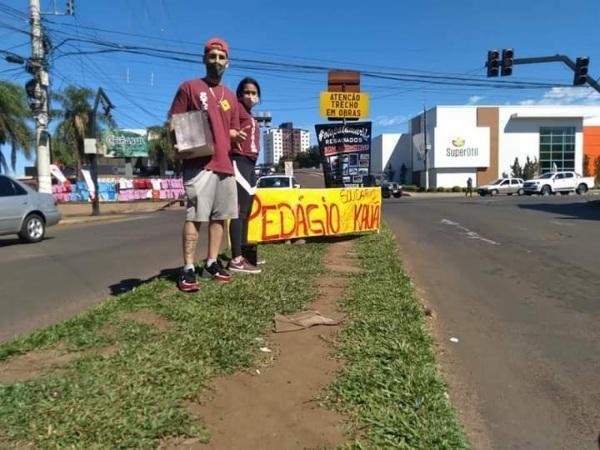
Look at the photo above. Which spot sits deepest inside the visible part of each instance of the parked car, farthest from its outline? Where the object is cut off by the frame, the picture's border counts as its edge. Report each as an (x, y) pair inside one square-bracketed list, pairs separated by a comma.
[(389, 188), (563, 182), (24, 211), (277, 181), (508, 186)]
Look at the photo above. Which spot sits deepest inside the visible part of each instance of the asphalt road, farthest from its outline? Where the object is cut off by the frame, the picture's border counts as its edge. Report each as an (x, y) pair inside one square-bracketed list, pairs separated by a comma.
[(517, 281), (77, 266)]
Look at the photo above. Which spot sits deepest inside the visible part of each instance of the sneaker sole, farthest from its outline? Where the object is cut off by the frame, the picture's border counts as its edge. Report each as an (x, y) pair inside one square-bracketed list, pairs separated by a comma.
[(209, 276), (233, 269), (188, 288)]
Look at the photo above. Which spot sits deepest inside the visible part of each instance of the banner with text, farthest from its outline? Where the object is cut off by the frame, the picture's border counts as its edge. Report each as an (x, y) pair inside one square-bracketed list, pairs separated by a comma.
[(125, 143), (296, 213), (346, 152)]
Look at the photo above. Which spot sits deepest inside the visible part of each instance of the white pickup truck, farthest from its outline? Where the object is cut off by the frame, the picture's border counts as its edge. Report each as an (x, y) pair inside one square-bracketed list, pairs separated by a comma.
[(563, 182)]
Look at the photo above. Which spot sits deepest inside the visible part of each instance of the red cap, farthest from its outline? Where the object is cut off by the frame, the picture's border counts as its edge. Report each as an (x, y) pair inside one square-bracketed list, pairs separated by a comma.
[(217, 43)]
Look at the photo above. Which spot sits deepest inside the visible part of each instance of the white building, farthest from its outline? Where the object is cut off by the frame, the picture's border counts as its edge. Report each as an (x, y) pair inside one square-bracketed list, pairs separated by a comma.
[(285, 141), (273, 143), (482, 142)]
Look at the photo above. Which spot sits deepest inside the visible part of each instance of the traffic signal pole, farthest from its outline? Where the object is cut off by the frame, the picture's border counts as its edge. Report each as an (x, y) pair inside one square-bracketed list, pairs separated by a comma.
[(579, 67), (42, 81)]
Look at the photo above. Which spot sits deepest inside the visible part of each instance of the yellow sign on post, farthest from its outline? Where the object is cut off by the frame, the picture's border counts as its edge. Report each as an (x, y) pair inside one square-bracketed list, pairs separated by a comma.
[(344, 105), (295, 213)]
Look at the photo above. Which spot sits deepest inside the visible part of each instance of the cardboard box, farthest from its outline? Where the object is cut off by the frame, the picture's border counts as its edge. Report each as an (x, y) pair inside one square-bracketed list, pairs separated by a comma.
[(193, 135)]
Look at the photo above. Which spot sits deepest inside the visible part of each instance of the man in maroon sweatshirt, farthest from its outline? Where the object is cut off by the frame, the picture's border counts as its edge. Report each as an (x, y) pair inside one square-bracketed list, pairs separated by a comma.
[(209, 182)]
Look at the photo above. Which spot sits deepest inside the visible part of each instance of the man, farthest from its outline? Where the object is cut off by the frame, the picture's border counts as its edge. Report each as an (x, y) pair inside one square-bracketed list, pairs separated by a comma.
[(469, 190), (209, 182)]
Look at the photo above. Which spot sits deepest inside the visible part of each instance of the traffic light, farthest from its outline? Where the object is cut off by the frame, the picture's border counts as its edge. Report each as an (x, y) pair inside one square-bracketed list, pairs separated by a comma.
[(507, 62), (581, 70), (493, 63), (70, 7)]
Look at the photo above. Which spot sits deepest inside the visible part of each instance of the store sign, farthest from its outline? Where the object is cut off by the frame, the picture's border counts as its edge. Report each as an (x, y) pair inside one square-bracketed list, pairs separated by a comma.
[(295, 213), (344, 105), (455, 148), (346, 152), (125, 143)]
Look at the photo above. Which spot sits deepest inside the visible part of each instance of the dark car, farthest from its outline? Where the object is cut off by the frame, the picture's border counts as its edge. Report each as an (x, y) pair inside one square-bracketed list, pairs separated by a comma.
[(389, 188)]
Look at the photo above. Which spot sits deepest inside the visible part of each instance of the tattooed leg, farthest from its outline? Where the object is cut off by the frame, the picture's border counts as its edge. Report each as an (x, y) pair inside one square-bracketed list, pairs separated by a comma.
[(190, 241)]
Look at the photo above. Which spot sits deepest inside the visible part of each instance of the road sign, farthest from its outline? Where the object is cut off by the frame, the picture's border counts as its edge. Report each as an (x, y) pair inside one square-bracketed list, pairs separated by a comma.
[(344, 105)]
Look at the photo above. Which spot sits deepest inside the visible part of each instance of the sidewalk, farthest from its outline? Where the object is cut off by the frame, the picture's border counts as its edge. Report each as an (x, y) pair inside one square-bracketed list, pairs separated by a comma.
[(74, 213)]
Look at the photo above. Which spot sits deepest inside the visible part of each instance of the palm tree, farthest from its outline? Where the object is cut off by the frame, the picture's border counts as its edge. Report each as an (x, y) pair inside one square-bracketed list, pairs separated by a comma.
[(14, 127), (160, 147), (75, 112)]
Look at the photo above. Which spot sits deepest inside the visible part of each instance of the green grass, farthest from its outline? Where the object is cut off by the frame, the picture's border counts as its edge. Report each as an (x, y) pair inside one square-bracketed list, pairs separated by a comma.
[(134, 397), (390, 385)]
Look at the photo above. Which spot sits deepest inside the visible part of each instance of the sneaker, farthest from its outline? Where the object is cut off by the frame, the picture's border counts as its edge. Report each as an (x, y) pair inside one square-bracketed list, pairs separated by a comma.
[(243, 266), (260, 262), (216, 272), (188, 281)]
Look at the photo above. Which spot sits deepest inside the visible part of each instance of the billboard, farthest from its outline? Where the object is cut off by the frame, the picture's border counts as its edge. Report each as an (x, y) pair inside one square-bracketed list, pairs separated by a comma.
[(124, 143), (346, 152)]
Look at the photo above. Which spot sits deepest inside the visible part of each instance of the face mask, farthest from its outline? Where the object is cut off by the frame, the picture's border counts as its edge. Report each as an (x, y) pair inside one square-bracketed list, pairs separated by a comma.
[(250, 101), (215, 70)]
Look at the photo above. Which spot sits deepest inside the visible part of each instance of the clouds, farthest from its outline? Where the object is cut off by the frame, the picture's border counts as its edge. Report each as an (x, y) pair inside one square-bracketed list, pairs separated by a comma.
[(566, 96), (389, 121), (474, 99)]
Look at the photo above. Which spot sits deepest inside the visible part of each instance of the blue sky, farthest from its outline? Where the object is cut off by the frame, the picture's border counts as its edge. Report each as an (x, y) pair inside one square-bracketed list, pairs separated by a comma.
[(435, 38)]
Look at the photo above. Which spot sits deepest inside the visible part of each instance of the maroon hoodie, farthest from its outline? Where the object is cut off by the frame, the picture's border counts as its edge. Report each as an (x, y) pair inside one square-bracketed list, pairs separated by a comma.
[(222, 108), (251, 146)]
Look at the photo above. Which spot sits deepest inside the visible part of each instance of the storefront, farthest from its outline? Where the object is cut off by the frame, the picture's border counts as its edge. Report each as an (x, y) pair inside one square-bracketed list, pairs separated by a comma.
[(483, 142)]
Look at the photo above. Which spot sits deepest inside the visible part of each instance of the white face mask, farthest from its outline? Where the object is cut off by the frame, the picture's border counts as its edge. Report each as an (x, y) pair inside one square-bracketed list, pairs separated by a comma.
[(250, 101)]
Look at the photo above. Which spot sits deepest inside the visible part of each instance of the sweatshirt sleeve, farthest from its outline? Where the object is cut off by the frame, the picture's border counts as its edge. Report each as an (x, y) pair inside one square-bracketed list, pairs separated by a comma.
[(180, 102)]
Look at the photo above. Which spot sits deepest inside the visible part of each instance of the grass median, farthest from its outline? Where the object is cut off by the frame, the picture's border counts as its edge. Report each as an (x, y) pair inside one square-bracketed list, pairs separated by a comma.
[(133, 396), (390, 385)]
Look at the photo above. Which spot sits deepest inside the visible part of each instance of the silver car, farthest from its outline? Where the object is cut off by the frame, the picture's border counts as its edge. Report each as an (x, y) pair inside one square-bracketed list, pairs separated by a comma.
[(24, 211), (508, 186)]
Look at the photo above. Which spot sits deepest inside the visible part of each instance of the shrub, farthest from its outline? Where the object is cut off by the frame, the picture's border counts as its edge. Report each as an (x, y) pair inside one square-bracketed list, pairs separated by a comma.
[(440, 189), (431, 189), (421, 189), (456, 189), (410, 187)]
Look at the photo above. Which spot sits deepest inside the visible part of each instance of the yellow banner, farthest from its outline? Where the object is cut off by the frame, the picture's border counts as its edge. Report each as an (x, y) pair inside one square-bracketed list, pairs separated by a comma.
[(344, 105), (294, 213)]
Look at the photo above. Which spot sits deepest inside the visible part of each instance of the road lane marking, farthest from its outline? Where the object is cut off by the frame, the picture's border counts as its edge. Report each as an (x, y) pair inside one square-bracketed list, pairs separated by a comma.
[(468, 233)]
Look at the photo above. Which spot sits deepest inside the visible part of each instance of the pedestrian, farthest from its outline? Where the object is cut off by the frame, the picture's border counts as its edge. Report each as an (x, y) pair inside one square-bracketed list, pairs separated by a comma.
[(469, 190), (209, 181), (244, 163)]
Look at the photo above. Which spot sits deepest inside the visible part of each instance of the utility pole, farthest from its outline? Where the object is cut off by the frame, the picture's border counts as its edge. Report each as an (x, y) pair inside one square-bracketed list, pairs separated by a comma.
[(101, 97), (426, 149), (41, 81)]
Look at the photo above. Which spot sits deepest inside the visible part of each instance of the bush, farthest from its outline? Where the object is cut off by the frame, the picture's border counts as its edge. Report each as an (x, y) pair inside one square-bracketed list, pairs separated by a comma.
[(456, 189), (431, 189), (440, 189), (421, 189), (410, 188)]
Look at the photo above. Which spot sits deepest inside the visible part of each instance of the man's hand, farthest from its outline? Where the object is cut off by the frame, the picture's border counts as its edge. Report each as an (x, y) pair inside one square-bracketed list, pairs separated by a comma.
[(237, 137)]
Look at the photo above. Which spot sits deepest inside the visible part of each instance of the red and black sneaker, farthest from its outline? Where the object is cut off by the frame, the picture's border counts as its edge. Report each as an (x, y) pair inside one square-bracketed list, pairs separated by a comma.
[(188, 281), (216, 272)]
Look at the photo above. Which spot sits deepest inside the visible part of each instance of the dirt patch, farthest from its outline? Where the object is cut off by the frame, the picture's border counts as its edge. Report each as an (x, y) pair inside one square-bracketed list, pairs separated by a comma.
[(148, 317), (34, 364), (277, 407)]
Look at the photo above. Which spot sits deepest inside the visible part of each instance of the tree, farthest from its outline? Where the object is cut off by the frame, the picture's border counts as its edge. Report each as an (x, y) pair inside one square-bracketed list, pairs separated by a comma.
[(530, 169), (586, 166), (597, 169), (14, 127), (389, 173), (403, 172), (309, 158), (516, 170), (161, 149), (75, 113)]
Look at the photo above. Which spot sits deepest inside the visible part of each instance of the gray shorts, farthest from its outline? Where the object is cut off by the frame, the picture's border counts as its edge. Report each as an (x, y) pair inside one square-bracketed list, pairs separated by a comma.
[(211, 196)]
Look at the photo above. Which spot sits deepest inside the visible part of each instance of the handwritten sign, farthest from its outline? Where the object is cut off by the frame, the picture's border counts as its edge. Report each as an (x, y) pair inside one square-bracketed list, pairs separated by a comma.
[(295, 213)]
